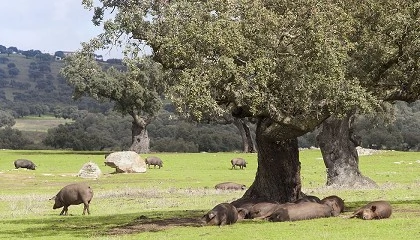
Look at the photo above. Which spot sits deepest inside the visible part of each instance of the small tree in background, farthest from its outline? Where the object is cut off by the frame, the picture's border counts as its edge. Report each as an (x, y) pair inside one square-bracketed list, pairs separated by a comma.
[(136, 92)]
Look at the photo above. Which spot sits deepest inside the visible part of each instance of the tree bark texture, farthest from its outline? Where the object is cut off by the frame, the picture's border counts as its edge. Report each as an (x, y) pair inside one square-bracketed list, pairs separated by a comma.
[(248, 142), (278, 173), (338, 147), (140, 142)]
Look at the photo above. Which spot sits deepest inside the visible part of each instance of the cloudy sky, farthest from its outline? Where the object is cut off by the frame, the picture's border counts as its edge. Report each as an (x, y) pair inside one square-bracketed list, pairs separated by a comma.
[(48, 26)]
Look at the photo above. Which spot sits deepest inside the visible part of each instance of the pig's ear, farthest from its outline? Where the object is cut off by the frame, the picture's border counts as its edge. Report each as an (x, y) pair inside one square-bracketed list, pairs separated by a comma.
[(243, 212), (373, 208), (53, 198)]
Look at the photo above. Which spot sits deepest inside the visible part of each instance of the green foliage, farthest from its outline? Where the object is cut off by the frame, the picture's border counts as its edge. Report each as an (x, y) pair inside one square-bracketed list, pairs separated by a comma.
[(97, 132), (59, 54), (398, 128), (147, 206), (35, 81), (181, 136), (6, 119), (385, 58), (4, 60), (13, 71), (282, 60), (91, 132), (136, 91), (13, 139), (401, 134)]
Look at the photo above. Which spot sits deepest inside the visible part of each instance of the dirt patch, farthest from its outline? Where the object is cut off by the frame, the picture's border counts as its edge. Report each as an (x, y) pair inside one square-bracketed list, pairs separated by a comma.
[(143, 224)]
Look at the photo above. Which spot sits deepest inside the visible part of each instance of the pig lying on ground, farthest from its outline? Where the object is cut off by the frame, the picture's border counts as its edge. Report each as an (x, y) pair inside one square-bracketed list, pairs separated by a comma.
[(308, 198), (24, 163), (230, 186), (221, 214), (244, 207), (73, 194), (263, 210), (374, 210), (300, 211), (335, 202)]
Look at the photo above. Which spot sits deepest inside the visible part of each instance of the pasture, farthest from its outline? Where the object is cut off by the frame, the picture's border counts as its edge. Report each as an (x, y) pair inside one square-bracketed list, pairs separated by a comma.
[(39, 124), (167, 203)]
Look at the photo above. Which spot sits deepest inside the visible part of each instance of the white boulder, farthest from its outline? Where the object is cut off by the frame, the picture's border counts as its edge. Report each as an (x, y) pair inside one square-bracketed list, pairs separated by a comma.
[(126, 162), (90, 170)]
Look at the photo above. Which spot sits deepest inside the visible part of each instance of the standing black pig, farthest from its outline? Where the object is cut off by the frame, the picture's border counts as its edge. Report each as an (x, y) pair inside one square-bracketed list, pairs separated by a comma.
[(24, 163), (155, 161), (73, 194), (221, 214), (238, 162)]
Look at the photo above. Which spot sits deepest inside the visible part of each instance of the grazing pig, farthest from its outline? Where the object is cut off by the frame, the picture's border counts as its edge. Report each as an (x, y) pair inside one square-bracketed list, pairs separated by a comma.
[(155, 161), (301, 211), (374, 210), (335, 202), (73, 194), (263, 210), (221, 214), (308, 198), (24, 163), (238, 162), (230, 186)]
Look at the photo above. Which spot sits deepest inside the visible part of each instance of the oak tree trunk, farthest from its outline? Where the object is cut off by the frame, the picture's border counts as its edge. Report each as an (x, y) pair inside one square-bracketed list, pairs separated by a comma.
[(248, 142), (338, 147), (140, 142), (278, 173)]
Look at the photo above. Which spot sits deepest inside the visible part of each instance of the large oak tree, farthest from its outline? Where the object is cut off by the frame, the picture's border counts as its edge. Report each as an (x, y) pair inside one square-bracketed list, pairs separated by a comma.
[(386, 61), (281, 62)]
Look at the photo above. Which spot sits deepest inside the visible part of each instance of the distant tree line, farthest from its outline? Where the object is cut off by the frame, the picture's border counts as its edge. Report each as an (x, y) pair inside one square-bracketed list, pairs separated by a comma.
[(110, 131), (167, 133)]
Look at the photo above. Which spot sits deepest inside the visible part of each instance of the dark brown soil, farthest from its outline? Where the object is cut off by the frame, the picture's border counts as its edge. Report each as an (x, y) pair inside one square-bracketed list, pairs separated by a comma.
[(143, 224)]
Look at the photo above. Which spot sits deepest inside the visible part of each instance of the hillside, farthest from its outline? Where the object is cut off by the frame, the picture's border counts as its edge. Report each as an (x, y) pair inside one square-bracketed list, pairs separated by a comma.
[(33, 86), (37, 80)]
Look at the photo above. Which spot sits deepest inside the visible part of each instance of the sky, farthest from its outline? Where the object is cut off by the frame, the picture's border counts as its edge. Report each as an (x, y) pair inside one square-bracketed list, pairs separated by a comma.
[(48, 26)]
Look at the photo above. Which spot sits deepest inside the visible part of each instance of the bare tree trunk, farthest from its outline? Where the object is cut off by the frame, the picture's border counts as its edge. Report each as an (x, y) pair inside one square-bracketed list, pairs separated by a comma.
[(248, 142), (278, 173), (251, 142), (338, 147), (140, 142)]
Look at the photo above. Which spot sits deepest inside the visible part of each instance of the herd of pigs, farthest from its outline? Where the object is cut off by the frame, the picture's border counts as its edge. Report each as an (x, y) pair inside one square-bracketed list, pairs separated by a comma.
[(305, 208), (308, 207)]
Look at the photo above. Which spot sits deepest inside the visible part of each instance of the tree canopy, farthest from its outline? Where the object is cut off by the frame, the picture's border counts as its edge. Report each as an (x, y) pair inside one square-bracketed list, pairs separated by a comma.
[(285, 63), (136, 89), (276, 59)]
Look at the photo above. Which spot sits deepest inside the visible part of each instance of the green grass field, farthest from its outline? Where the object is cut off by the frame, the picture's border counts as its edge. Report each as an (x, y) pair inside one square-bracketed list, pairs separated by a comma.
[(167, 203), (39, 124)]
